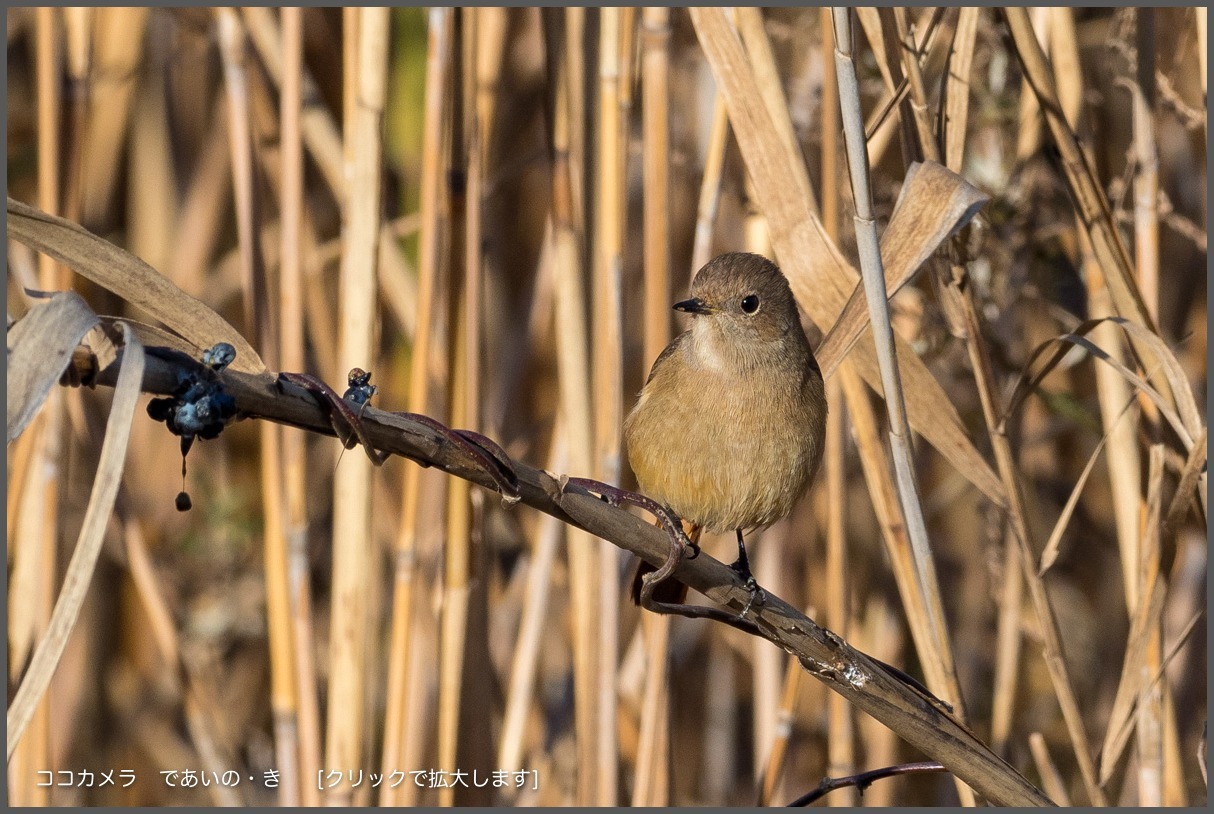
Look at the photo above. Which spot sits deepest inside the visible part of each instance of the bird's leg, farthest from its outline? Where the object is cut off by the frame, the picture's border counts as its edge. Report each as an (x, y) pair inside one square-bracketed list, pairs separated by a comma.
[(681, 545), (742, 566)]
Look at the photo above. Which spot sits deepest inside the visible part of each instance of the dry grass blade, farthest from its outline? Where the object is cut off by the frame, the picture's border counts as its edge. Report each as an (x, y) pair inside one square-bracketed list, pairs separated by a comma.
[(130, 278), (933, 204), (821, 278), (1057, 347), (88, 544), (39, 347), (1050, 553), (1085, 188)]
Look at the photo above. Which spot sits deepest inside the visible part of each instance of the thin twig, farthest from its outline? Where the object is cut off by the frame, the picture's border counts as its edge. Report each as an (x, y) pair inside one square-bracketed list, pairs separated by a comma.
[(864, 780)]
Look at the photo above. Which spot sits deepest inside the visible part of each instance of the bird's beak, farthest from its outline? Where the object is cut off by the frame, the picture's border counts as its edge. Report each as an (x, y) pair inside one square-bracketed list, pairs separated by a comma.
[(695, 305)]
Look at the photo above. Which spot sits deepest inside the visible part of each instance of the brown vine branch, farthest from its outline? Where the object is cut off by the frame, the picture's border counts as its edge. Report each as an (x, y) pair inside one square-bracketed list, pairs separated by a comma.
[(919, 718)]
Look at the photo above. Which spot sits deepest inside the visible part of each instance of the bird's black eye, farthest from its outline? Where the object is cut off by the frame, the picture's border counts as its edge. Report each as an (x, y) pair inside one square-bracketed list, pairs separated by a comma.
[(750, 303)]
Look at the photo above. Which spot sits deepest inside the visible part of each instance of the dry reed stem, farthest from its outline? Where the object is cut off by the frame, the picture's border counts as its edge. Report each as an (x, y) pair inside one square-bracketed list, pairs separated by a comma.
[(118, 37), (284, 698), (881, 635), (40, 526), (1008, 645), (956, 104), (773, 765), (841, 731), (440, 42), (710, 185), (1063, 47), (293, 452), (1148, 724), (1146, 191), (520, 695), (878, 308), (573, 368), (841, 734), (655, 141), (351, 483), (255, 302), (459, 555), (1028, 136), (650, 787), (1051, 778), (202, 208), (606, 359)]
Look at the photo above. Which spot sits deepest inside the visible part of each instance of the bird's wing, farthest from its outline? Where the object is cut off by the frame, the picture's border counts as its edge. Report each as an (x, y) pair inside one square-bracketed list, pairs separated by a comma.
[(671, 348)]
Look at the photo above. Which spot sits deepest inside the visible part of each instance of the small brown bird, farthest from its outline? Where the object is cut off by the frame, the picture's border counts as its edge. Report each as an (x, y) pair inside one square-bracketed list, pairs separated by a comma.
[(729, 428)]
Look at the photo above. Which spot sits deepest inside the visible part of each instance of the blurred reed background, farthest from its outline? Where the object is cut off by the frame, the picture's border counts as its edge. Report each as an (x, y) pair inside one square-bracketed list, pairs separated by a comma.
[(493, 210)]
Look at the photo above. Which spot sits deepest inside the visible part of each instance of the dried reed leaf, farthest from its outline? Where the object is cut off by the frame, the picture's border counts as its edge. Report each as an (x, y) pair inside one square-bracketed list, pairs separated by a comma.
[(39, 347), (933, 204), (151, 335), (957, 93), (88, 544), (821, 278), (1050, 553), (129, 277), (1058, 348), (1194, 468)]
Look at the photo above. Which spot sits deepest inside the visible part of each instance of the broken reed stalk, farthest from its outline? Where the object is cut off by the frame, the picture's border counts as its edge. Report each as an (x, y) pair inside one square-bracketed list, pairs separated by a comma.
[(917, 717), (439, 46), (878, 309)]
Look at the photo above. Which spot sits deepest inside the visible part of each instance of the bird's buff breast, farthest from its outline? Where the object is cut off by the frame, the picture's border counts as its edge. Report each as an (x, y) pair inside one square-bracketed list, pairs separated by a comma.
[(741, 464)]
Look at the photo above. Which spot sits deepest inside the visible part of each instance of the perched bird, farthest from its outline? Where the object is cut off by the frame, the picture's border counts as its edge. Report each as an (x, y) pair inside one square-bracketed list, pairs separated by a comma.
[(729, 428)]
